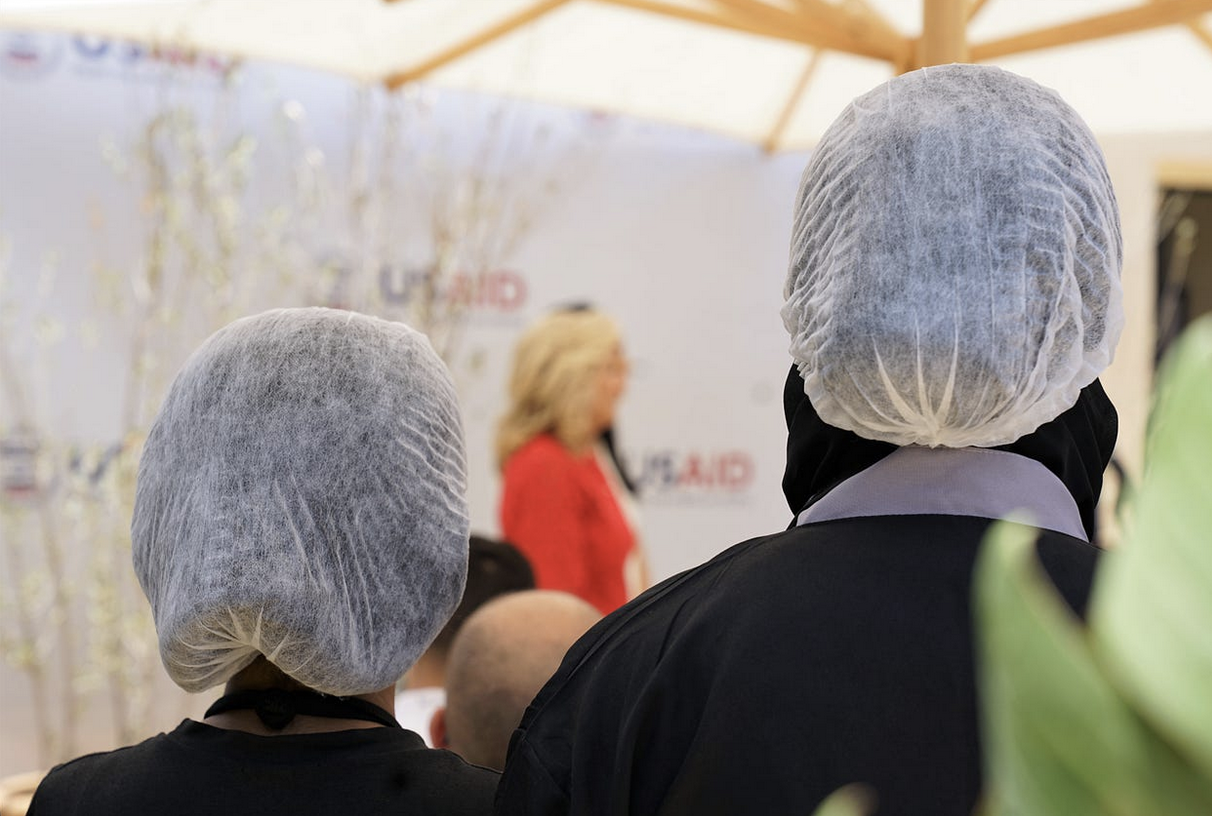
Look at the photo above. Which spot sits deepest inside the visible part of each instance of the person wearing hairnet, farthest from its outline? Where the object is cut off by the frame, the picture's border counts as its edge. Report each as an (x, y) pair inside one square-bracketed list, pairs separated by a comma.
[(300, 530), (953, 293)]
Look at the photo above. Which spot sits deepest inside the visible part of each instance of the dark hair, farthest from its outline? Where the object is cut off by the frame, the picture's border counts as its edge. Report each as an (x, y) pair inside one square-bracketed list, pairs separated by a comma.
[(493, 568)]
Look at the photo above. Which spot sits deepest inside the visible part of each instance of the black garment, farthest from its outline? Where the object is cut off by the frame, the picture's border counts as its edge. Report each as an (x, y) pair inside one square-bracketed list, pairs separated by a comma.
[(791, 665), (1076, 447), (199, 769), (764, 680)]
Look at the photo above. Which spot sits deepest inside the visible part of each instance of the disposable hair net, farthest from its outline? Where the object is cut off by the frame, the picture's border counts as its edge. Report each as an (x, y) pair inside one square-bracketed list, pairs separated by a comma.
[(955, 261), (302, 496)]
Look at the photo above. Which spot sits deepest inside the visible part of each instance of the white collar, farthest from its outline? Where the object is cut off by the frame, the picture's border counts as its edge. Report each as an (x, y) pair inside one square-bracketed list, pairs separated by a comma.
[(978, 482)]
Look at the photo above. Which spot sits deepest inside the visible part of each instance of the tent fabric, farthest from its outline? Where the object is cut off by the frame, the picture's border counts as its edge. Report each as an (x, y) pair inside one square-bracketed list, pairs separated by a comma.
[(612, 56)]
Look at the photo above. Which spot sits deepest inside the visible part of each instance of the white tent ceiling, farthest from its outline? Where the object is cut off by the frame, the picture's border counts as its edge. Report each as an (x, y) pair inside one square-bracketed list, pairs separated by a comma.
[(774, 72)]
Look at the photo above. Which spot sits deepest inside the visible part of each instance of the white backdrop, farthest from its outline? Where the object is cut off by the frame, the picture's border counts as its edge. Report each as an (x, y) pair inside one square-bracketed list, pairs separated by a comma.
[(681, 236)]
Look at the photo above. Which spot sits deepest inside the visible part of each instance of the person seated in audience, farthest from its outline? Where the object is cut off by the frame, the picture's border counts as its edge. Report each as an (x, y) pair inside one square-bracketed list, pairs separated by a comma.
[(953, 293), (493, 568), (500, 659), (300, 530)]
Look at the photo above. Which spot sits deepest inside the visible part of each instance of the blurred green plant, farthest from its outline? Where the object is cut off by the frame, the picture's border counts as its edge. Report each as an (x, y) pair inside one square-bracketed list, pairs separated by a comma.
[(1114, 717), (852, 800)]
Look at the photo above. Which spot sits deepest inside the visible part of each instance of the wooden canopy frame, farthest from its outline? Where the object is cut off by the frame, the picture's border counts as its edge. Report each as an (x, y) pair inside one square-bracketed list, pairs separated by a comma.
[(855, 27)]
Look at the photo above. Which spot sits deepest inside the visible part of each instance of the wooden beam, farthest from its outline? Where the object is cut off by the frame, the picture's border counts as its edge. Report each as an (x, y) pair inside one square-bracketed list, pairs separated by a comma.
[(944, 37), (796, 32), (822, 28), (1201, 32), (718, 19), (762, 13), (909, 63), (857, 19), (1185, 175), (488, 35), (771, 143), (974, 8), (873, 16), (1127, 21)]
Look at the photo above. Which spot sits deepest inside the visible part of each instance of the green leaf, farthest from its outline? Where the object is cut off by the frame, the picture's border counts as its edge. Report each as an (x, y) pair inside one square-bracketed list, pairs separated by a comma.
[(852, 800), (1151, 614), (1058, 737)]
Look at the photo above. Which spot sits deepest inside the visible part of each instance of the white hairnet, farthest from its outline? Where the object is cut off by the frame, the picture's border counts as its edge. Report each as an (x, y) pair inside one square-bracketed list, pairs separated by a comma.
[(955, 260), (302, 496)]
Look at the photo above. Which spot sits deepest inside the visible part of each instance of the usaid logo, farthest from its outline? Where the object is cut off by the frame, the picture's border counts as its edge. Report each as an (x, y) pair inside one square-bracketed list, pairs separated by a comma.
[(29, 56), (33, 56), (97, 49), (99, 53), (673, 474), (502, 291)]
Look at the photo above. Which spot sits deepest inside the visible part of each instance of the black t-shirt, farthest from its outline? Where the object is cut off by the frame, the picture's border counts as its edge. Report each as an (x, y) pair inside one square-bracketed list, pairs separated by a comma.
[(785, 668), (199, 769)]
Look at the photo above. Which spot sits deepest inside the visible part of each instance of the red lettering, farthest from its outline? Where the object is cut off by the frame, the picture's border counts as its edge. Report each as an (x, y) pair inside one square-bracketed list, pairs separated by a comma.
[(460, 292), (509, 291), (694, 474), (730, 470), (736, 470)]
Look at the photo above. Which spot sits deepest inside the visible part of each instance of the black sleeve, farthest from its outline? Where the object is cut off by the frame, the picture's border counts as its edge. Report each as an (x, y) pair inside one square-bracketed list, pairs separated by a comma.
[(1071, 568), (59, 792), (526, 788)]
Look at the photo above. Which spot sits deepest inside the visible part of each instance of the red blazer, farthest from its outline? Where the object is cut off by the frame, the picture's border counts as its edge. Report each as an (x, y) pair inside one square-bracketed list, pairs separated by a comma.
[(560, 511)]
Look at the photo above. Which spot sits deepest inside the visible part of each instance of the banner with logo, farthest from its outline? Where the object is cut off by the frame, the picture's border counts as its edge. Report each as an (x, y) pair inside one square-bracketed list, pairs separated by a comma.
[(148, 197), (680, 236)]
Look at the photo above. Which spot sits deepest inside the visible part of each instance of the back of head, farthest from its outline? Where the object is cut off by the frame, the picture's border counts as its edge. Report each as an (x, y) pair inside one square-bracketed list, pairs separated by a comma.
[(302, 496), (494, 568), (955, 260), (501, 658), (551, 384)]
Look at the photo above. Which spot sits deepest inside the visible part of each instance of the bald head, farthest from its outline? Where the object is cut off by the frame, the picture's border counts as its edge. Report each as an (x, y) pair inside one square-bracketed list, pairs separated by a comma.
[(500, 659)]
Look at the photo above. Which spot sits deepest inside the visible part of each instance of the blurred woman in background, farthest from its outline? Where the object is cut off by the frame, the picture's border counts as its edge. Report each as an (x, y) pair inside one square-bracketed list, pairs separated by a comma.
[(564, 501)]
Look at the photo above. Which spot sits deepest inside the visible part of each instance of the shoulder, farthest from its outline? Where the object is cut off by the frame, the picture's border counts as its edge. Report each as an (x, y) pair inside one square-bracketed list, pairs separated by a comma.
[(774, 584), (617, 668), (192, 771), (1070, 564), (72, 786), (641, 629), (542, 458), (456, 787), (542, 448)]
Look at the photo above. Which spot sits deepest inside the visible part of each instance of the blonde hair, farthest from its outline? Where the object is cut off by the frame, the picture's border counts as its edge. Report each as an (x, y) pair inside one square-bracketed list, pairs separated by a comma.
[(552, 385)]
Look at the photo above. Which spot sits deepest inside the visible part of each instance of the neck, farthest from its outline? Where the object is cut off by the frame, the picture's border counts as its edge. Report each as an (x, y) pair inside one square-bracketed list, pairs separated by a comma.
[(428, 672), (262, 675)]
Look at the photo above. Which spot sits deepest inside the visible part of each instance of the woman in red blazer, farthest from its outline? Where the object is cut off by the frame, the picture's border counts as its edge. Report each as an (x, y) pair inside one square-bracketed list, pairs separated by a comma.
[(563, 502)]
